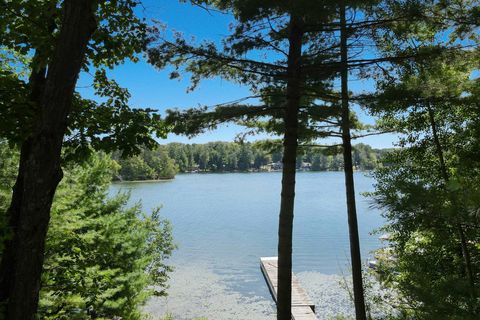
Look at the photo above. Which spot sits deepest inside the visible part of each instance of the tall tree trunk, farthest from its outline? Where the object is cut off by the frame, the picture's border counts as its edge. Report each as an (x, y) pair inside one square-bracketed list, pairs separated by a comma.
[(446, 177), (40, 170), (358, 295), (290, 142)]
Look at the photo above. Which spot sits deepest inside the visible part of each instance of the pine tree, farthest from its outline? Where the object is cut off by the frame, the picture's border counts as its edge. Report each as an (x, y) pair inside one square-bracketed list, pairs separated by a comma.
[(101, 257)]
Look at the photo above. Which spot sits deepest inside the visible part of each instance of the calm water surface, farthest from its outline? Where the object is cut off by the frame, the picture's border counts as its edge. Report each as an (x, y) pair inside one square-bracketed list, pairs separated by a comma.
[(223, 223)]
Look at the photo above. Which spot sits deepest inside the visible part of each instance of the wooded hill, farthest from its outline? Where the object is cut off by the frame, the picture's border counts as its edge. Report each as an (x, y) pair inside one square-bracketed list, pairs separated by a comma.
[(167, 160)]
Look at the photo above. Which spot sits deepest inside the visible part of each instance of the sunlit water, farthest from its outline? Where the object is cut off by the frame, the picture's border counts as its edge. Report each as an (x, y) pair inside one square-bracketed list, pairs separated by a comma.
[(223, 224)]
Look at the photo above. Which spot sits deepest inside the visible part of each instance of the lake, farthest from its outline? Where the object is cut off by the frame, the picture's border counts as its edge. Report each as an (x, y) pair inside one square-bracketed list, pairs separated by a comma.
[(223, 224)]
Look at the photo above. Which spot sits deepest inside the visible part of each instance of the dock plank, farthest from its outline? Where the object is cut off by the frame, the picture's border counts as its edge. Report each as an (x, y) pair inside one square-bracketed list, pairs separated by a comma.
[(302, 306), (303, 313)]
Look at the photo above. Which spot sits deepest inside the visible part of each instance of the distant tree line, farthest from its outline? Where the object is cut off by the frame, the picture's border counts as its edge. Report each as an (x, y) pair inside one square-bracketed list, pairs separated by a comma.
[(147, 165), (167, 160)]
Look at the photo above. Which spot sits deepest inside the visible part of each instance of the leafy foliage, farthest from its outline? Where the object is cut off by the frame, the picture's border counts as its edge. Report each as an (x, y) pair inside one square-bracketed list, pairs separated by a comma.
[(103, 260), (8, 172), (148, 165), (429, 189), (28, 32)]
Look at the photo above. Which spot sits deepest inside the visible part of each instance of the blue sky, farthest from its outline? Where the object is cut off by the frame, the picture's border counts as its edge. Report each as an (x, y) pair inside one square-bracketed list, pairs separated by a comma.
[(153, 88)]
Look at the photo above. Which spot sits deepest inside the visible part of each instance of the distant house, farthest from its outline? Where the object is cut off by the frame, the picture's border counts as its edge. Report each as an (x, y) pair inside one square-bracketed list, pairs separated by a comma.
[(306, 166), (193, 169), (266, 167), (276, 165), (272, 166)]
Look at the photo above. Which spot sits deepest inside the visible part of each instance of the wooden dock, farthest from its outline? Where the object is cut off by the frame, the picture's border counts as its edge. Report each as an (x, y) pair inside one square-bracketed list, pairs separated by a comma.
[(302, 306)]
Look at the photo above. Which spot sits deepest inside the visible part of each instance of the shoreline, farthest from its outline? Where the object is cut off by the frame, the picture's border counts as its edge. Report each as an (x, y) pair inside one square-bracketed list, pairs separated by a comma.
[(143, 181), (225, 172)]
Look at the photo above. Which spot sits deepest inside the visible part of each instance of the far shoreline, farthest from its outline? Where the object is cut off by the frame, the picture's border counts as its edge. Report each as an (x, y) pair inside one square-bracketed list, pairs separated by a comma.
[(143, 181), (223, 172)]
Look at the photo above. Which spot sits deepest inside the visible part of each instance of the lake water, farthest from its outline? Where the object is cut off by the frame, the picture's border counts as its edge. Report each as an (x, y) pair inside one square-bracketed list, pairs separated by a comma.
[(223, 223)]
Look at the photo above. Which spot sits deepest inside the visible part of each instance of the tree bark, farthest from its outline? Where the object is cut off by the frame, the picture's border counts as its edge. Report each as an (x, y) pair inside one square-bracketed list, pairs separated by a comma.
[(290, 142), (40, 168), (355, 256)]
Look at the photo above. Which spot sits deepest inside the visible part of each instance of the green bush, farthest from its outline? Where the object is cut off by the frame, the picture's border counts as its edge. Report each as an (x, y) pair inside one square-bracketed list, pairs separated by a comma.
[(102, 259)]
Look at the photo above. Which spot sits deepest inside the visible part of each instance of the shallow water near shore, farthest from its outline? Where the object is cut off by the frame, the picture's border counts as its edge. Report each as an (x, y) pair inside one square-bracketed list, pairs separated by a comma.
[(223, 224)]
